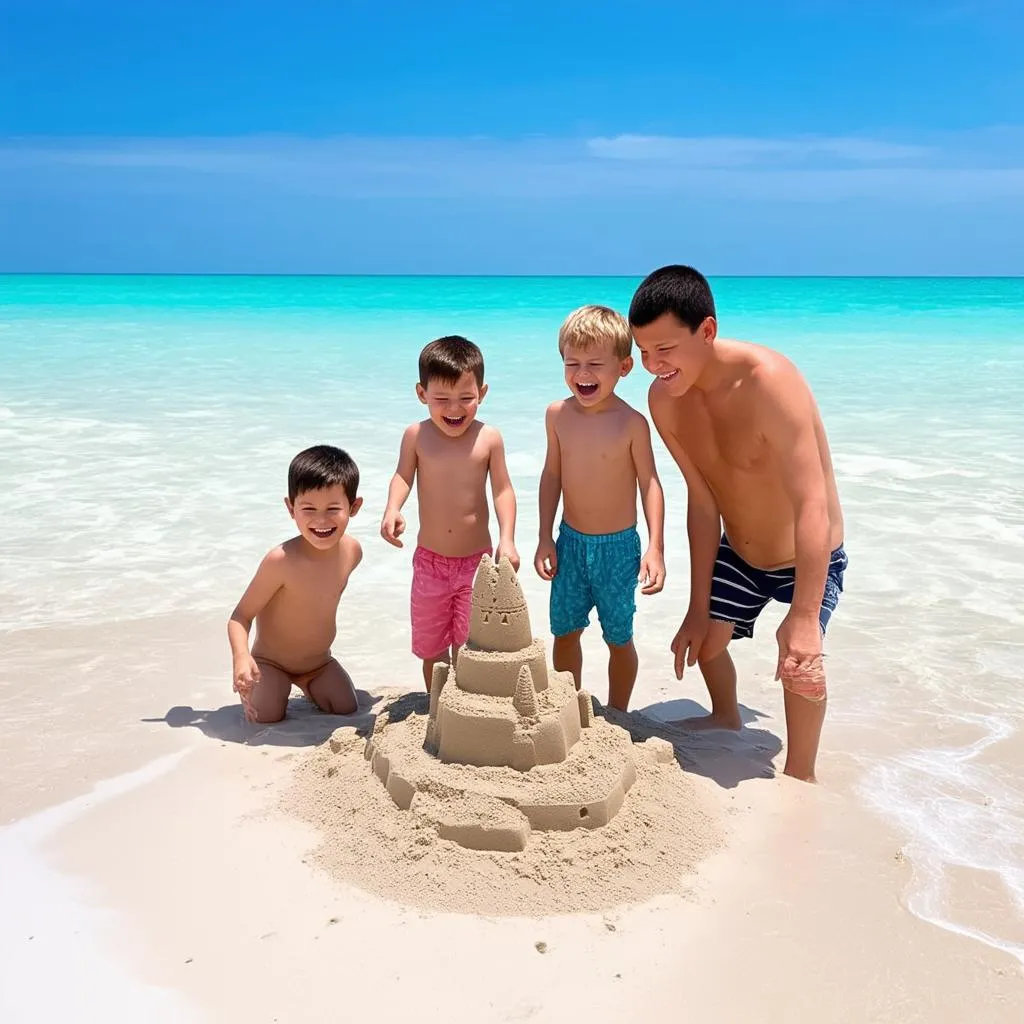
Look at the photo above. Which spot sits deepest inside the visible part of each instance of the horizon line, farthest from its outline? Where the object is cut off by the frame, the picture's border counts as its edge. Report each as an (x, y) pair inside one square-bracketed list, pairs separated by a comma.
[(492, 276)]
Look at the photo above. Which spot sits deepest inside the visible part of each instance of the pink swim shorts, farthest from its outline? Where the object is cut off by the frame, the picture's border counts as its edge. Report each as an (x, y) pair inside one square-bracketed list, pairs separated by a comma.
[(442, 588)]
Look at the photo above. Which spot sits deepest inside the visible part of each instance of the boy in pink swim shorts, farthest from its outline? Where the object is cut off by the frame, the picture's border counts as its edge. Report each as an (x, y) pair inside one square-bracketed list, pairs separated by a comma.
[(450, 455)]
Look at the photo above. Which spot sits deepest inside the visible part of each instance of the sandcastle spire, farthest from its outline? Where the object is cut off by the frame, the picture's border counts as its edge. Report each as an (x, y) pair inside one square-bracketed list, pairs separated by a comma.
[(525, 698), (498, 619)]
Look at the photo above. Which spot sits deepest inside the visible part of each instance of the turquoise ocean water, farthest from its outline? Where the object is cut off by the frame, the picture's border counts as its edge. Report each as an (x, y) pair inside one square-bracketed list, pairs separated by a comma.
[(146, 425)]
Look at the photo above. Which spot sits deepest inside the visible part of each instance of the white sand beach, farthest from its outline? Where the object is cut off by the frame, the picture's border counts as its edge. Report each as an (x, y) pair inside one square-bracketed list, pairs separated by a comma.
[(159, 874)]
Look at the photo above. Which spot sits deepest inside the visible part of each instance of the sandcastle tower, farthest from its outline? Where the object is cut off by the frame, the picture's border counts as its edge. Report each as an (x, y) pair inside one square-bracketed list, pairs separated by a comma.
[(537, 718), (508, 745)]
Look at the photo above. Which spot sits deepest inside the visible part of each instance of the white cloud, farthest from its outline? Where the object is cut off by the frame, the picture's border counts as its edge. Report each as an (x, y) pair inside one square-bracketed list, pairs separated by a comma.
[(727, 151), (954, 167)]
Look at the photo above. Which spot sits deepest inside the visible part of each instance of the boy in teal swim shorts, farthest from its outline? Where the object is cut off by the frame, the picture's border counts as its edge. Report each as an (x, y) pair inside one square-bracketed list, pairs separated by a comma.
[(598, 453)]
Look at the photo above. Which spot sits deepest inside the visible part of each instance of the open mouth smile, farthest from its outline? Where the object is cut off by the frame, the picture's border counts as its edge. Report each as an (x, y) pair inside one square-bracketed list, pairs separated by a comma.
[(323, 534), (668, 376), (586, 390), (454, 421)]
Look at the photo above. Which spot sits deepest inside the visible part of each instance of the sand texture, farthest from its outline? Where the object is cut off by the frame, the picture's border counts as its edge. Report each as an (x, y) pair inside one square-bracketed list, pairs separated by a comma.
[(505, 758), (765, 880), (464, 846)]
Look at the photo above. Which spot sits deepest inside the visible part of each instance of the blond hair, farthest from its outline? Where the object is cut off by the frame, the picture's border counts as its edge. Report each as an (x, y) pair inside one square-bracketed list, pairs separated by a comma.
[(592, 327)]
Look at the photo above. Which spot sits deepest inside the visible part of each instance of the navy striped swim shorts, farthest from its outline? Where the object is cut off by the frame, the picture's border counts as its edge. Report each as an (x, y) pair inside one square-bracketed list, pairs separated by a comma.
[(740, 591)]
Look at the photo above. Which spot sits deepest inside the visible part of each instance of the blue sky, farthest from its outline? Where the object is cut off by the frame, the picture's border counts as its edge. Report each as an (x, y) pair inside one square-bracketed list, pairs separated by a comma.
[(819, 136)]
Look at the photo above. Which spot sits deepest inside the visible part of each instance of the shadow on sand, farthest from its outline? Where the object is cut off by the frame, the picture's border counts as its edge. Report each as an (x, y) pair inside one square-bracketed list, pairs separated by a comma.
[(727, 758), (304, 725)]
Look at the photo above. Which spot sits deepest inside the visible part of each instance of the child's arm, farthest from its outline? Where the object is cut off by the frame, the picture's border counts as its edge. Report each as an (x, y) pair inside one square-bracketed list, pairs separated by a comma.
[(393, 524), (265, 584), (652, 566), (353, 556), (546, 560), (504, 502)]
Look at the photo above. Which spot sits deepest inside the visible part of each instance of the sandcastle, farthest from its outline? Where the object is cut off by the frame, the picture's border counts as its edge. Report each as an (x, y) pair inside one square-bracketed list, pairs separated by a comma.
[(508, 745)]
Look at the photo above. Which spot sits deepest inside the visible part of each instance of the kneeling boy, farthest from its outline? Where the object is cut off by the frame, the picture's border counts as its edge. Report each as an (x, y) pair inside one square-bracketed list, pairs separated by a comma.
[(293, 598)]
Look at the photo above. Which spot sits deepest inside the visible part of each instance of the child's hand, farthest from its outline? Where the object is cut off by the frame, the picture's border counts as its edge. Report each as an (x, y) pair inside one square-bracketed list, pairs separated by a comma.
[(689, 639), (392, 527), (546, 560), (508, 551), (652, 573), (246, 675)]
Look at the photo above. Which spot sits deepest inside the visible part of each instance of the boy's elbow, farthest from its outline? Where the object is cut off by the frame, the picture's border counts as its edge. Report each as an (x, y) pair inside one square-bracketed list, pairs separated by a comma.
[(702, 516), (700, 501), (652, 484), (813, 510)]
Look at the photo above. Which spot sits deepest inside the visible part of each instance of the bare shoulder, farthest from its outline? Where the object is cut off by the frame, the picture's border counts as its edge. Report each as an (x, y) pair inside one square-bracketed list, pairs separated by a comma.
[(351, 552), (637, 424), (281, 559), (659, 401), (489, 436), (666, 410), (280, 554), (557, 409), (777, 382)]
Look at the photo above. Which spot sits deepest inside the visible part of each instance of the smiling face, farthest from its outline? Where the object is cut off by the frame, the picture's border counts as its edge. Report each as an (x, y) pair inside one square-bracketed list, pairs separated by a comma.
[(673, 352), (592, 373), (452, 406), (322, 516)]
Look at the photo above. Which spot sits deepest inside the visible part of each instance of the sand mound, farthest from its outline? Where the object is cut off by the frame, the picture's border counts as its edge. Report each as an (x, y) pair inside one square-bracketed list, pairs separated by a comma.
[(664, 829), (503, 792)]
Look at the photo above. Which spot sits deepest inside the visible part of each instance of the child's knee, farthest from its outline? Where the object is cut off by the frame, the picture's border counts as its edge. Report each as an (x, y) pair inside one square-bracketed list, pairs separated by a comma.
[(345, 706), (333, 693), (345, 703), (716, 642), (568, 639), (268, 716), (620, 647)]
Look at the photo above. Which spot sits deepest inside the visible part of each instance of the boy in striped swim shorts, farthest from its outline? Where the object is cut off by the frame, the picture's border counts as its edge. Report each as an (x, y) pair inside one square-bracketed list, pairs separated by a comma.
[(598, 453), (450, 456), (763, 518), (740, 591)]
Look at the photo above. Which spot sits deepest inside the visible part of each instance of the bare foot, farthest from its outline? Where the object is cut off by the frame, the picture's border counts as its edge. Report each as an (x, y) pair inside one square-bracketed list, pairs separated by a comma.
[(715, 720)]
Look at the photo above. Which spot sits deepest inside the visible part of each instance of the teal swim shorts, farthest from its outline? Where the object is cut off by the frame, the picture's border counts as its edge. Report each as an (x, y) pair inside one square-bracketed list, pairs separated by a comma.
[(596, 570)]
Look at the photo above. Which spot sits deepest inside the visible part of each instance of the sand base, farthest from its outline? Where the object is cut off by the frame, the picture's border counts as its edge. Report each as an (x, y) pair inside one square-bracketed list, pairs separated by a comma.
[(461, 845), (497, 807)]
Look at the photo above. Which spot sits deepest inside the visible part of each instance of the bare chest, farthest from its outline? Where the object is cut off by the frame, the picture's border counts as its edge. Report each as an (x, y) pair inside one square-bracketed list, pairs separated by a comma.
[(313, 590), (451, 469), (591, 448), (725, 439)]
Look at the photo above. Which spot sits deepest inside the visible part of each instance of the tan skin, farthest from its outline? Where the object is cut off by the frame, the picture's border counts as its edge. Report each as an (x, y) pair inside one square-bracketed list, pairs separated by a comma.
[(744, 429), (449, 457), (598, 454), (293, 600)]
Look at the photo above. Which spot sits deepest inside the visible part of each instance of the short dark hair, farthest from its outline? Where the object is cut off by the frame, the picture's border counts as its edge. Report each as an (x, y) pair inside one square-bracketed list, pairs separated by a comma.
[(676, 289), (322, 466), (447, 359)]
